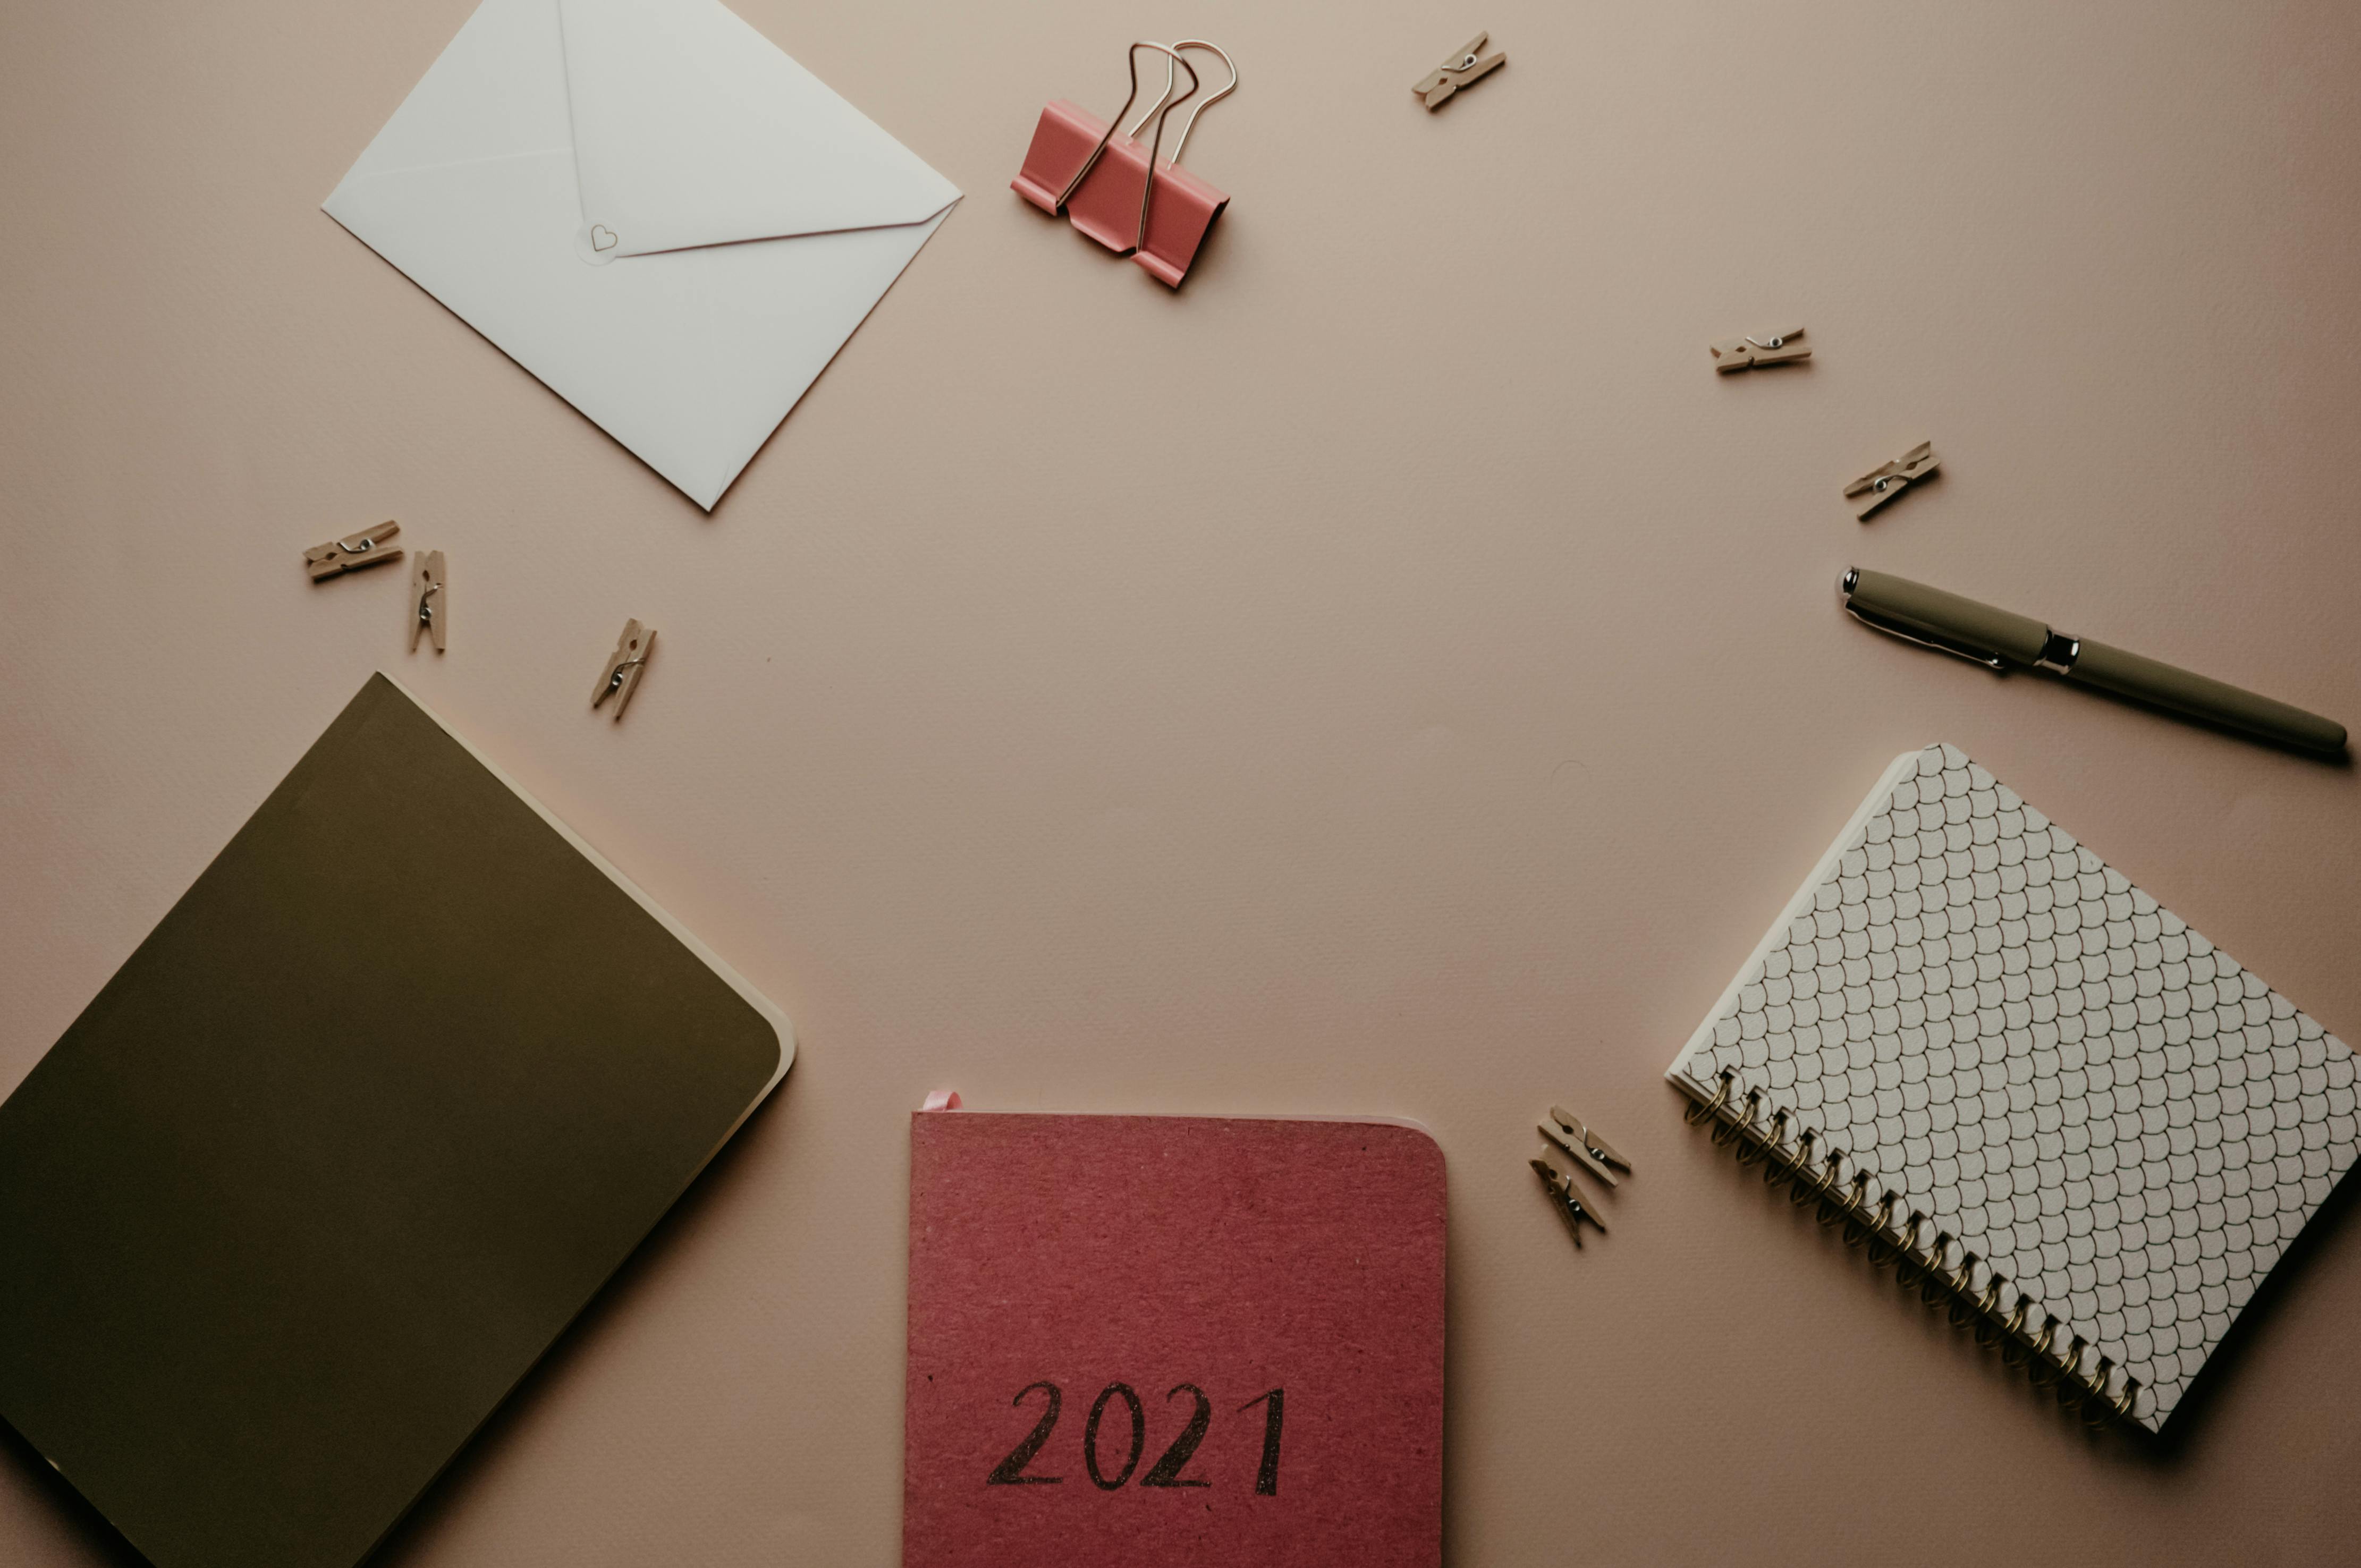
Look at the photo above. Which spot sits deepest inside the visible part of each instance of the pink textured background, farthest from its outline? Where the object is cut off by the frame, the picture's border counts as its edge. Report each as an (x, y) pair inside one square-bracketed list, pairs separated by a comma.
[(1393, 675), (1237, 1255)]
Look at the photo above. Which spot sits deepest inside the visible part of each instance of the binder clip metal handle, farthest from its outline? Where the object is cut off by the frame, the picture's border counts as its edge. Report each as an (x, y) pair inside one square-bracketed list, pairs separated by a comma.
[(1180, 143)]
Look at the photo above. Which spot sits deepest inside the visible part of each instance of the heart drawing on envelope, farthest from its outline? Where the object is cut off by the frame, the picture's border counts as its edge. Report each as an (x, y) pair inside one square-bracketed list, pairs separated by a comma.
[(767, 215)]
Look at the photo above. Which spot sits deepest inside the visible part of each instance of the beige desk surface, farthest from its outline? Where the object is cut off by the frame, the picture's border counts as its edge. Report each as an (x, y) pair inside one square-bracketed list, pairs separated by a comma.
[(1393, 675)]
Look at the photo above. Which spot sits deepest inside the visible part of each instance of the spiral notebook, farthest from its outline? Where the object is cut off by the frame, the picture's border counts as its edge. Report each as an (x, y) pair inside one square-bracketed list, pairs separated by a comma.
[(2049, 1103)]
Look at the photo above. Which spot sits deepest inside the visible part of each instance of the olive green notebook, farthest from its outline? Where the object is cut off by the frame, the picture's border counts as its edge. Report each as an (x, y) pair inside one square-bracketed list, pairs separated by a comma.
[(345, 1146)]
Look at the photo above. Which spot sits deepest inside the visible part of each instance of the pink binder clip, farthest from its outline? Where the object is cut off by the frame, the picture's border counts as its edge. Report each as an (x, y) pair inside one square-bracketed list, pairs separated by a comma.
[(1079, 167)]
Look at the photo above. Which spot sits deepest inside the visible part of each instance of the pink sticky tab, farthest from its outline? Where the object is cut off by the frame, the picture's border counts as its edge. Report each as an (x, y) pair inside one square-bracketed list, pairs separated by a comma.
[(1063, 138), (1173, 1343)]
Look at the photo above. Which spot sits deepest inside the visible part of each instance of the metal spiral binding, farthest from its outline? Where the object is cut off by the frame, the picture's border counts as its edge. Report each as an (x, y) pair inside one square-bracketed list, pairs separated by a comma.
[(1918, 1261)]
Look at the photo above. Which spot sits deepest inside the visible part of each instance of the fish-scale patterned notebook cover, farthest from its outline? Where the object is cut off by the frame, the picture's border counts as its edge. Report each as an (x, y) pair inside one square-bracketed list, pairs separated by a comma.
[(2111, 1112)]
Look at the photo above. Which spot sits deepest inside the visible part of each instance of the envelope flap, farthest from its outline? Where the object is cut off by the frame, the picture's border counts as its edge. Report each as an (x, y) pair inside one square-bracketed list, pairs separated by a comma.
[(691, 128)]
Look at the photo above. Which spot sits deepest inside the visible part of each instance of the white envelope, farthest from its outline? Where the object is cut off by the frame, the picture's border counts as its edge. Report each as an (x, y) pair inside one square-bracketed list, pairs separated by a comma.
[(652, 208)]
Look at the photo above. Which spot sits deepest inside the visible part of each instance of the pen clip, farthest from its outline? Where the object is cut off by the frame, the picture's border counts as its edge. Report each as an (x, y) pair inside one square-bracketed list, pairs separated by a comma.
[(1988, 661)]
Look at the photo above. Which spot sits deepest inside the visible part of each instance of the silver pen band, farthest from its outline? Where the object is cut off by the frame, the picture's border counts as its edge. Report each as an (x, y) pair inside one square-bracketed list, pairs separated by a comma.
[(2059, 652)]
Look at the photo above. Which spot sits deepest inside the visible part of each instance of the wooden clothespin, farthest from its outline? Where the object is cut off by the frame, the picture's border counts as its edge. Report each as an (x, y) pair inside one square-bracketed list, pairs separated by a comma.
[(1883, 483), (625, 667), (352, 553), (1458, 69), (1572, 1205), (1566, 1130), (427, 605), (1770, 348)]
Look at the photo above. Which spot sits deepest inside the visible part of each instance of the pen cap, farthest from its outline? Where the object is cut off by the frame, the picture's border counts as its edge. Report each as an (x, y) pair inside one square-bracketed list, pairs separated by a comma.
[(1945, 617)]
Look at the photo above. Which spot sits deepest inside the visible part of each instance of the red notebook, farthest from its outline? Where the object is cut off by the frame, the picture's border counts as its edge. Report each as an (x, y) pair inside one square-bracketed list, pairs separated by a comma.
[(1195, 1342)]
